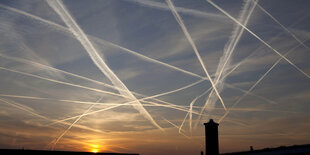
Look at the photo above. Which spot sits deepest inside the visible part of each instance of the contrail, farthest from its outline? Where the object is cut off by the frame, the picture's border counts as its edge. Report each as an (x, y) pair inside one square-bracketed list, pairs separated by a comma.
[(229, 48), (51, 99), (142, 99), (254, 95), (288, 31), (176, 68), (180, 128), (99, 40), (190, 112), (61, 10), (257, 49), (62, 82), (55, 69), (261, 40), (74, 75), (19, 106), (176, 127), (97, 90), (153, 60), (235, 37), (67, 31), (176, 107), (74, 123), (163, 6), (190, 40), (30, 111), (258, 81), (54, 25)]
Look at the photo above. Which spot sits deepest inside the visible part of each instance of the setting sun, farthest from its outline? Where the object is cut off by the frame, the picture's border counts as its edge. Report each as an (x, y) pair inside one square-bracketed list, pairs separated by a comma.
[(94, 150)]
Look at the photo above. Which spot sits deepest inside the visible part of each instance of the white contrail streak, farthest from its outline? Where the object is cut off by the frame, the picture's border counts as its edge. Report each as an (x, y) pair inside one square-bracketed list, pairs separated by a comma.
[(28, 74), (251, 94), (190, 40), (288, 31), (163, 6), (61, 82), (142, 99), (66, 30), (257, 49), (78, 76), (153, 60), (190, 112), (61, 10), (170, 105), (99, 40), (25, 61), (229, 48), (257, 82), (57, 26), (86, 111), (176, 127), (32, 112), (235, 37), (24, 108), (261, 40)]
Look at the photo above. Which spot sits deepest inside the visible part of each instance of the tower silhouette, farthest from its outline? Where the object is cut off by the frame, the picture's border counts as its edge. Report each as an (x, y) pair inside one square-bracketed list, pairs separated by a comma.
[(211, 134)]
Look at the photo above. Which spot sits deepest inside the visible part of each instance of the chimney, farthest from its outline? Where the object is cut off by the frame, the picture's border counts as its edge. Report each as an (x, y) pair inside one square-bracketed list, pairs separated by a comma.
[(212, 142)]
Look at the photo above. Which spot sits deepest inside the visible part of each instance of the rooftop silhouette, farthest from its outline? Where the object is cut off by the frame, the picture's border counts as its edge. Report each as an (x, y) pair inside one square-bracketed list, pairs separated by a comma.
[(282, 150), (46, 152)]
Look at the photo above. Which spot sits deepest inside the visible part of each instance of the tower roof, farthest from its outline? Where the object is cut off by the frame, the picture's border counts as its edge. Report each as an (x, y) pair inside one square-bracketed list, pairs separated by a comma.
[(211, 123)]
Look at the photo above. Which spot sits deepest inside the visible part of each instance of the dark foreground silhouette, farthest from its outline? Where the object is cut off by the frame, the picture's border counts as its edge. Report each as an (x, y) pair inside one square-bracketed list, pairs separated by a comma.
[(282, 150), (41, 152)]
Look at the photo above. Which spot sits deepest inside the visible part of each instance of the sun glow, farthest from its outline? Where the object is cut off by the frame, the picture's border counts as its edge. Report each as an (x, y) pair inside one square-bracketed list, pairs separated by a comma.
[(94, 148)]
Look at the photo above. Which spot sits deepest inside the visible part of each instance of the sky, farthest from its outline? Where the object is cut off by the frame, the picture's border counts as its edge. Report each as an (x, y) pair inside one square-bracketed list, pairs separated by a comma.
[(142, 76)]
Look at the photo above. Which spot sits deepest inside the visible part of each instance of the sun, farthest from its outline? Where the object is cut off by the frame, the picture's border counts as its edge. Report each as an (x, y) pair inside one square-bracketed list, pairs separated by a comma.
[(94, 150)]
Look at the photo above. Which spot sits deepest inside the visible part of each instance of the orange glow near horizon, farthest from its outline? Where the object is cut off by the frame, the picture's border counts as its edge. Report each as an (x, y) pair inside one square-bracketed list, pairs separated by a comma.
[(94, 148)]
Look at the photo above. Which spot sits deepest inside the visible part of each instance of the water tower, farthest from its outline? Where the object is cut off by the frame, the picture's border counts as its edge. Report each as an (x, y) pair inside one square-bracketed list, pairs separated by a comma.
[(212, 142)]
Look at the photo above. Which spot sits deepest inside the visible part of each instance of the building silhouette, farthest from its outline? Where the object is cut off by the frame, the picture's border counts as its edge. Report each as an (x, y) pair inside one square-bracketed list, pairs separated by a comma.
[(282, 150), (211, 135), (46, 152)]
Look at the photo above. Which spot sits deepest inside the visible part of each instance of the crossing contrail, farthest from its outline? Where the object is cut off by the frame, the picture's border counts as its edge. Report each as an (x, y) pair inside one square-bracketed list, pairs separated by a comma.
[(32, 112), (29, 62), (258, 81), (61, 10), (88, 109), (163, 6), (81, 77), (225, 60), (177, 128), (70, 84), (54, 25), (278, 22), (257, 37), (62, 82), (24, 108), (142, 99), (67, 31), (190, 40)]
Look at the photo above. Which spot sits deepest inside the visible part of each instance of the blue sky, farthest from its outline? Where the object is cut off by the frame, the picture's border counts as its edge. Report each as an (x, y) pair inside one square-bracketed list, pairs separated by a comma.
[(105, 74)]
